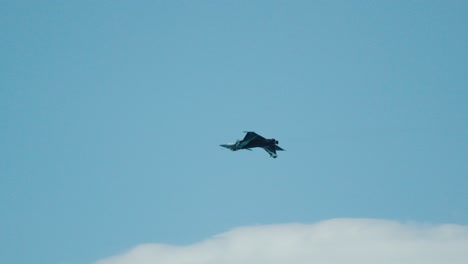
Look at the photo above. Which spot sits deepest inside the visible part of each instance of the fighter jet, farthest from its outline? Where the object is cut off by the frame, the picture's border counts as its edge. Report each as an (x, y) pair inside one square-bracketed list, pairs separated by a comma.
[(254, 140)]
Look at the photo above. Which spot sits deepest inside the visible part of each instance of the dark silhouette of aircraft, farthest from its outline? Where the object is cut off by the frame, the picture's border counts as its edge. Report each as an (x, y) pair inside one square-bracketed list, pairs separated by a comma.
[(254, 140)]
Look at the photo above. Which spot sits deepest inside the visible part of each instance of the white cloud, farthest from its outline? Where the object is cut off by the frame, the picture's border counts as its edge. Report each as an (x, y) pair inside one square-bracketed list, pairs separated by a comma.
[(336, 241)]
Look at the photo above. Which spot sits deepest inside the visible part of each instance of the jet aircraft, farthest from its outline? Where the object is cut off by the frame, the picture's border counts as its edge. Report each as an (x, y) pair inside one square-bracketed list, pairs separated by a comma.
[(254, 140)]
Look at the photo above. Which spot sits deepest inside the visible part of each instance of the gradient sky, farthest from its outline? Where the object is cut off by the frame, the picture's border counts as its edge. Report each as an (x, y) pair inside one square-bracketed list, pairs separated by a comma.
[(112, 112)]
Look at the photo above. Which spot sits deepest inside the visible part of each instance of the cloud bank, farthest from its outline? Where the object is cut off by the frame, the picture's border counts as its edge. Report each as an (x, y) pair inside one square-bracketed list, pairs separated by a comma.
[(336, 241)]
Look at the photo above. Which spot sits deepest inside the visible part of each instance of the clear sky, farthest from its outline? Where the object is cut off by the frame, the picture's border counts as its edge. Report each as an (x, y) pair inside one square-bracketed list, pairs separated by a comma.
[(112, 112)]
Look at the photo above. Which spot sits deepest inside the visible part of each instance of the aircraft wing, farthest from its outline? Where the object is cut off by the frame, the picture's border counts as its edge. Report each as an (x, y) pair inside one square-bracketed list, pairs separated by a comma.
[(251, 136), (271, 150), (278, 148)]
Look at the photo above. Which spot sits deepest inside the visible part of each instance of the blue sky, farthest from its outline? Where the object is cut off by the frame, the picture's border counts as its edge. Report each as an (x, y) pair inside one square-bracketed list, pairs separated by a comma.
[(112, 112)]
